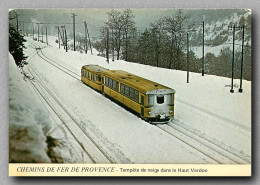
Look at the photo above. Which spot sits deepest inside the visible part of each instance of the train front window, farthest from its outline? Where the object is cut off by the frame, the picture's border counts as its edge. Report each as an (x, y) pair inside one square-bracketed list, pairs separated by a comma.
[(150, 99), (169, 98), (160, 99)]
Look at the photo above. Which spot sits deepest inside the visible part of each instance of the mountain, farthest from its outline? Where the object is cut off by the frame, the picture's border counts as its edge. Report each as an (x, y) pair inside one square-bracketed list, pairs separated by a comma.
[(96, 17)]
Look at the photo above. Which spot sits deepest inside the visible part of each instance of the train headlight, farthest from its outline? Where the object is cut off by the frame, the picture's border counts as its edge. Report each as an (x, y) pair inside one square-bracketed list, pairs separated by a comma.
[(170, 111), (149, 112)]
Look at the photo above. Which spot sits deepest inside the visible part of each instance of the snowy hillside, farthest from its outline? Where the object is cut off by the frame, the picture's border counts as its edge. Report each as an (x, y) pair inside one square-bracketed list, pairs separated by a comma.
[(204, 107), (219, 35)]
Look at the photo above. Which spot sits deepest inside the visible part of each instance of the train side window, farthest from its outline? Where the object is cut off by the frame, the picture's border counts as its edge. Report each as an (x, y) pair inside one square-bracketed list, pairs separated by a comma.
[(122, 88), (99, 78), (126, 90), (114, 84), (110, 82), (132, 93), (136, 96), (117, 86), (106, 81)]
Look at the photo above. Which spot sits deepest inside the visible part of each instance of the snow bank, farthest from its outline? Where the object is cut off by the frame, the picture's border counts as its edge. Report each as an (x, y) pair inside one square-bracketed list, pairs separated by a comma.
[(28, 121)]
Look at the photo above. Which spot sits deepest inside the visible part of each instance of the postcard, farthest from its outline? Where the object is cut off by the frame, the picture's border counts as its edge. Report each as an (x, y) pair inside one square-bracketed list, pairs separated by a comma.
[(130, 92)]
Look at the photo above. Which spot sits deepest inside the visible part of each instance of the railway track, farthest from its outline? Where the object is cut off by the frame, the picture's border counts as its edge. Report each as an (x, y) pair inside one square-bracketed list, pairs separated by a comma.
[(236, 156), (73, 126), (118, 156), (88, 145), (55, 64), (82, 156), (204, 146)]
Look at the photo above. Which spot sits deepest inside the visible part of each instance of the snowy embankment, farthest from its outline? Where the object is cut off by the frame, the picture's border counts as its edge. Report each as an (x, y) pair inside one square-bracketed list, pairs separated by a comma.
[(35, 133), (28, 121)]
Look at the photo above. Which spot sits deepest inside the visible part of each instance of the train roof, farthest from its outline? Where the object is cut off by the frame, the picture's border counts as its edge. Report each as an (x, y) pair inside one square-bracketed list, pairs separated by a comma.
[(134, 81), (94, 68)]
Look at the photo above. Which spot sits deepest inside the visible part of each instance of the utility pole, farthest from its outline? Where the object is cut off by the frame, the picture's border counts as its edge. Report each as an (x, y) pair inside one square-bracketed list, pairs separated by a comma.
[(233, 60), (203, 50), (242, 59), (38, 31), (63, 37), (66, 39), (46, 36), (59, 36), (42, 33), (188, 65), (17, 24), (86, 45), (233, 57), (89, 39), (73, 15), (107, 48), (33, 30), (113, 49)]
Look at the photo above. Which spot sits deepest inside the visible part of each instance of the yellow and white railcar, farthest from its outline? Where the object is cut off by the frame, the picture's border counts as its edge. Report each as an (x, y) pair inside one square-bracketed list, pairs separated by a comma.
[(152, 101)]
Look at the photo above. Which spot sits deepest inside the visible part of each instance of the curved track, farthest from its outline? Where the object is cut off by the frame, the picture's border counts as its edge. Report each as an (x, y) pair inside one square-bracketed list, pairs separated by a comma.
[(87, 144), (55, 64)]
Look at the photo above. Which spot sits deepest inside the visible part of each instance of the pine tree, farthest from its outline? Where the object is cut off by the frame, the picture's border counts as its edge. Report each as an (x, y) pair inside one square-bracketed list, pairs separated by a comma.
[(16, 46)]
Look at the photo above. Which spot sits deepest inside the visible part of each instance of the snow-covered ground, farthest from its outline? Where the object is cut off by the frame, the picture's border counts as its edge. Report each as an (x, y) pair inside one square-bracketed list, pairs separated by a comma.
[(204, 106), (32, 126)]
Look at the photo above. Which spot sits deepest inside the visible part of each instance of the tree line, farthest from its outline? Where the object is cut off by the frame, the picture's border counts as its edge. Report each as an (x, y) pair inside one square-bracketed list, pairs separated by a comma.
[(164, 44), (16, 46)]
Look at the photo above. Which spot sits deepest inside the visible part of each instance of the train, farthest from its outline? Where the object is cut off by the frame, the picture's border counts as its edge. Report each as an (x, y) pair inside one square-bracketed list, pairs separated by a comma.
[(151, 101)]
